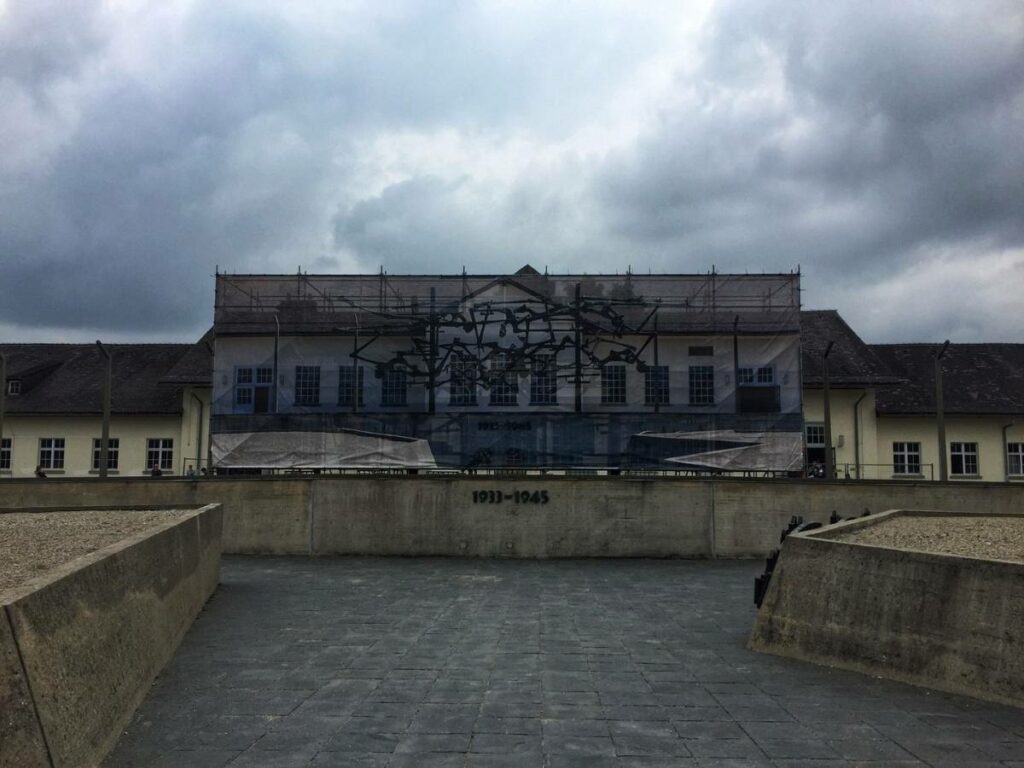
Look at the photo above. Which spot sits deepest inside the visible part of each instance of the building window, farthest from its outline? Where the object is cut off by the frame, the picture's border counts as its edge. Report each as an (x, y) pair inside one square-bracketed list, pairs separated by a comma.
[(252, 389), (761, 376), (1014, 458), (544, 381), (14, 387), (906, 458), (702, 351), (243, 386), (160, 453), (613, 384), (393, 388), (816, 435), (462, 383), (815, 443), (5, 453), (307, 385), (964, 458), (656, 385), (51, 452), (504, 383), (113, 443), (350, 385), (702, 385)]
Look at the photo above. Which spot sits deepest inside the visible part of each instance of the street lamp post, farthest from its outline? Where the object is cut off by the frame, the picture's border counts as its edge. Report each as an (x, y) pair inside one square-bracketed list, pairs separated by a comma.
[(830, 470), (940, 412), (3, 393), (105, 435)]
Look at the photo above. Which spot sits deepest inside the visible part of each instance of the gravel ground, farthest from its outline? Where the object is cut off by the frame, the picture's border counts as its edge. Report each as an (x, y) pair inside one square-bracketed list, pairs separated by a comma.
[(994, 538), (35, 542)]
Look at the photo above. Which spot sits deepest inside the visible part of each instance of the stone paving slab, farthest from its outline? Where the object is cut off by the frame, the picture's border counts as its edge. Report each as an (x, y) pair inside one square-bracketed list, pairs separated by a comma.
[(526, 664)]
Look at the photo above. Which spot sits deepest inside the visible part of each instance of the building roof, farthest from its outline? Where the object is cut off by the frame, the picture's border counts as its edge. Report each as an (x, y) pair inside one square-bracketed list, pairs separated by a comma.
[(195, 367), (852, 363), (977, 379), (68, 378)]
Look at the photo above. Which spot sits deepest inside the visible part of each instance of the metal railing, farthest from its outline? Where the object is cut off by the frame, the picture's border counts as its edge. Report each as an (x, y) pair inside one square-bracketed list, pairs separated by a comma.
[(849, 471), (509, 471)]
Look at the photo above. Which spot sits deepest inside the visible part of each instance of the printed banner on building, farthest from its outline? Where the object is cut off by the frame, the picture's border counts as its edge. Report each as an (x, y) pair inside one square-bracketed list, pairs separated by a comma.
[(528, 370)]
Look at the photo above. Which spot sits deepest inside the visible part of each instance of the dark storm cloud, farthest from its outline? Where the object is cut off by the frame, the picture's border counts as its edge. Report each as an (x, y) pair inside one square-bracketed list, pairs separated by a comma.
[(840, 139), (226, 133), (877, 145)]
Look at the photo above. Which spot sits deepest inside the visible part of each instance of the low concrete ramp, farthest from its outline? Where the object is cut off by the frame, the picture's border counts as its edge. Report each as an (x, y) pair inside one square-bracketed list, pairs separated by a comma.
[(944, 621)]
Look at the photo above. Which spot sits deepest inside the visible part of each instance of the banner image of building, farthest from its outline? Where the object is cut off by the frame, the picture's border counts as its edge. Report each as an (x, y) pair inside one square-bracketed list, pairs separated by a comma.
[(526, 370)]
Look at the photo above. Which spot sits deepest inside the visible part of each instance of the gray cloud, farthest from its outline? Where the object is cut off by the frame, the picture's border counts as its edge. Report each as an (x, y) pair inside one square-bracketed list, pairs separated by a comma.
[(878, 146)]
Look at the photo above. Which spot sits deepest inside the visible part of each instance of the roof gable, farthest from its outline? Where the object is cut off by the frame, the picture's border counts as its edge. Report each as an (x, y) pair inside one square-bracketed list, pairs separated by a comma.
[(504, 289), (852, 363)]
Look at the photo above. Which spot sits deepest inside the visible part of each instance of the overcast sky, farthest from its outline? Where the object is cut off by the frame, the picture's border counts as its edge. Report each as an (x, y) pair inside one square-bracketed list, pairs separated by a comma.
[(878, 146)]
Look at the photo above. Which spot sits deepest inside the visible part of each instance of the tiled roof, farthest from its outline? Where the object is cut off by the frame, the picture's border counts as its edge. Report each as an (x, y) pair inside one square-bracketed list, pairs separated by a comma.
[(852, 363), (68, 378), (976, 378), (195, 366)]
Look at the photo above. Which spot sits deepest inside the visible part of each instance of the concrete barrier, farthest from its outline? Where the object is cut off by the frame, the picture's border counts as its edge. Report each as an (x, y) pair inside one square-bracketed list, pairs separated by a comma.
[(21, 741), (524, 517), (941, 621), (601, 516), (89, 639)]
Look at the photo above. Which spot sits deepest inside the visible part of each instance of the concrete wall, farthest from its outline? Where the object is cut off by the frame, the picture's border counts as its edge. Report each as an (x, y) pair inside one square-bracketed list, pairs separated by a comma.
[(941, 621), (21, 740), (459, 515), (92, 637), (464, 517)]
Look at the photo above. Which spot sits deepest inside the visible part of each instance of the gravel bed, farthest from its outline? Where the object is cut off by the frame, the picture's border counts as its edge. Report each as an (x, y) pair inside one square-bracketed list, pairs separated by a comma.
[(32, 543), (990, 538)]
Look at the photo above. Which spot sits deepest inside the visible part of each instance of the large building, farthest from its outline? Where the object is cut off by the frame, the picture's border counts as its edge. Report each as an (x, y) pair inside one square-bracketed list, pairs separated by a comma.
[(463, 371), (983, 406), (53, 406), (708, 373), (884, 419)]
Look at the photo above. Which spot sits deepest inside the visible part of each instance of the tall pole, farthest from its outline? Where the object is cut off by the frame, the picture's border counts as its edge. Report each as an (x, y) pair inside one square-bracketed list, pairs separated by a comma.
[(856, 435), (830, 470), (277, 344), (199, 432), (105, 434), (657, 365), (736, 359), (579, 352), (1006, 445), (3, 394), (940, 413), (432, 341)]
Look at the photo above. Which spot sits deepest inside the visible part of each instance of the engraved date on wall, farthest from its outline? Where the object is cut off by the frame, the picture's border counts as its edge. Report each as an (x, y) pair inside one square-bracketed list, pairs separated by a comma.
[(516, 497)]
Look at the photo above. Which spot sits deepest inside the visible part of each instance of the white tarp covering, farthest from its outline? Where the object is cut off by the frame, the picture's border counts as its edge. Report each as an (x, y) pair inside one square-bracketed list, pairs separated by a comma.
[(319, 450), (768, 451)]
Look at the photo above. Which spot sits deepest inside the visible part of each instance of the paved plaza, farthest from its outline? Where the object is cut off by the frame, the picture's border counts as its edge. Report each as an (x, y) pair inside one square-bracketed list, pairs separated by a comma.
[(591, 663)]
